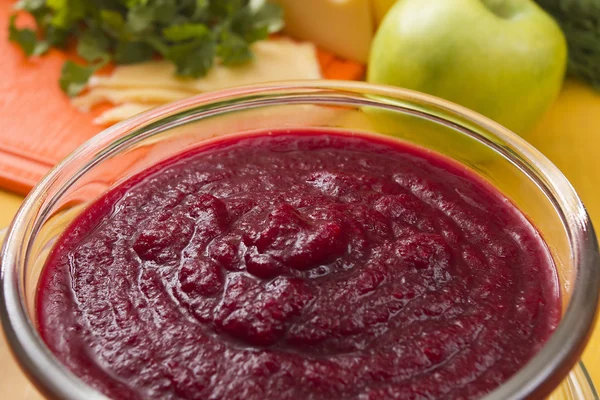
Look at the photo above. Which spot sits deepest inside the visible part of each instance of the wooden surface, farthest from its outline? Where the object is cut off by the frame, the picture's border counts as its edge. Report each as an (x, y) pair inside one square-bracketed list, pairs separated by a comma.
[(569, 135)]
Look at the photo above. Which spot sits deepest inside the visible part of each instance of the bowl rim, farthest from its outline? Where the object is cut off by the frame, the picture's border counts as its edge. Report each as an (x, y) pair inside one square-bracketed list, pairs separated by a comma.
[(537, 378)]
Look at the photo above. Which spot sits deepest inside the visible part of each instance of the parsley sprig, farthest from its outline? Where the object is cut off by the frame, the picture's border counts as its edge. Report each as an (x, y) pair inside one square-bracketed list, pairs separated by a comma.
[(190, 33)]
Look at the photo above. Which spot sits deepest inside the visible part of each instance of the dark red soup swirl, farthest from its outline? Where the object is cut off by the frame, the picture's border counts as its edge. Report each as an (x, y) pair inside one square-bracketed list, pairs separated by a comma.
[(299, 265)]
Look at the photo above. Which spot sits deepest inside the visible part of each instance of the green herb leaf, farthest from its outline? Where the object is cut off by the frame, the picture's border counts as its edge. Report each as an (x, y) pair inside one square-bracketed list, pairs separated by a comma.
[(159, 44), (132, 52), (189, 33), (180, 33), (192, 59), (233, 49), (226, 8), (169, 12), (270, 16), (140, 19), (135, 3), (30, 5), (255, 23), (74, 77), (200, 9), (93, 46), (56, 37), (112, 22), (66, 12), (27, 39)]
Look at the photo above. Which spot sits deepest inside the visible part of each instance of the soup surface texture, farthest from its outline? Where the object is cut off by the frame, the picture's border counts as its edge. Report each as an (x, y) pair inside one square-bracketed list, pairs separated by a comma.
[(299, 265)]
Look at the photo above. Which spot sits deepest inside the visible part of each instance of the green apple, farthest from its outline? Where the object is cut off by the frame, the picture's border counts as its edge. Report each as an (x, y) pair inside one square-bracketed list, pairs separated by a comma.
[(505, 59)]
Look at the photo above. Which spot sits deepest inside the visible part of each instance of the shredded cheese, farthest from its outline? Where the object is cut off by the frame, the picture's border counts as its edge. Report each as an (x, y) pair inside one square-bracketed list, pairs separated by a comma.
[(142, 86), (122, 112)]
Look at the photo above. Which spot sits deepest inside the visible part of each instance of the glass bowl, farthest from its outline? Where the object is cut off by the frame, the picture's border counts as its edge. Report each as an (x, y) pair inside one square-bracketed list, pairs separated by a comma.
[(505, 160)]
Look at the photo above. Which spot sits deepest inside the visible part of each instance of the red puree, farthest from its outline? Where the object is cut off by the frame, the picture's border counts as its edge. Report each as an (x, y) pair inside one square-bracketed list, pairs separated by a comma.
[(299, 265)]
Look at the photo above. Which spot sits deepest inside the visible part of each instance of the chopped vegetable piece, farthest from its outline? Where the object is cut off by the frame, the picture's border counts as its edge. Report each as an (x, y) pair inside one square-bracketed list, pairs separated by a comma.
[(345, 70)]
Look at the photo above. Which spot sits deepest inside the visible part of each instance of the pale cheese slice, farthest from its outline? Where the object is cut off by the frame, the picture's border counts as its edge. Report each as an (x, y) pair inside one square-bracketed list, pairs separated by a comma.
[(122, 112), (149, 74), (274, 60), (126, 95), (140, 87)]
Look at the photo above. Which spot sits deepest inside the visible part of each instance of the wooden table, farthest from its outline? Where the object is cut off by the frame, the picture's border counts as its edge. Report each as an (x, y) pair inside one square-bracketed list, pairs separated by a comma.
[(569, 135)]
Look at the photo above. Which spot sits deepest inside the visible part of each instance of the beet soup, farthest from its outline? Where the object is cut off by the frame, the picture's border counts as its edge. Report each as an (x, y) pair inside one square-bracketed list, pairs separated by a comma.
[(299, 265)]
